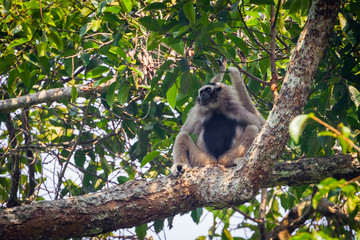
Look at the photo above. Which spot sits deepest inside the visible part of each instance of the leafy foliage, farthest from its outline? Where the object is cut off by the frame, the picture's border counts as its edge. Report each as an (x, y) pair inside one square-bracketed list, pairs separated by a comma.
[(160, 53)]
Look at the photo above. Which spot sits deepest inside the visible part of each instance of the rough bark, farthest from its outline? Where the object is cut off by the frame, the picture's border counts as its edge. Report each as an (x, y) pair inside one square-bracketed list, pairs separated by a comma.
[(298, 80), (139, 201), (52, 95)]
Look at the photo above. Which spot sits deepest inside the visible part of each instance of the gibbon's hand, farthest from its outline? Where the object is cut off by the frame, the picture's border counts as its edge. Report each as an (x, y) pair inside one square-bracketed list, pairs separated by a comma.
[(178, 169)]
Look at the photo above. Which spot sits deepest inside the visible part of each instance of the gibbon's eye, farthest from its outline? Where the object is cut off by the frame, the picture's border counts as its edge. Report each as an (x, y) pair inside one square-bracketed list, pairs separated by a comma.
[(207, 90), (218, 89)]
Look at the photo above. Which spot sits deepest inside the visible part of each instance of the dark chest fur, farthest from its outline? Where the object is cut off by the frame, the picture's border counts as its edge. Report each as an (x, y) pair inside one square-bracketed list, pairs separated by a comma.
[(219, 132)]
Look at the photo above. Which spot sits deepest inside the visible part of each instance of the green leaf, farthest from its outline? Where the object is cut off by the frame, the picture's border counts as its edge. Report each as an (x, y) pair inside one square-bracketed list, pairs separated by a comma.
[(159, 225), (169, 80), (123, 93), (122, 179), (354, 95), (74, 94), (141, 231), (113, 9), (297, 126), (80, 158), (155, 6), (85, 28), (262, 2), (171, 96), (97, 72), (18, 42), (150, 23), (184, 65), (150, 156), (343, 21), (185, 82), (239, 43), (295, 6), (189, 11), (213, 62), (7, 4), (196, 215), (110, 94), (159, 73), (126, 5), (118, 51), (56, 41)]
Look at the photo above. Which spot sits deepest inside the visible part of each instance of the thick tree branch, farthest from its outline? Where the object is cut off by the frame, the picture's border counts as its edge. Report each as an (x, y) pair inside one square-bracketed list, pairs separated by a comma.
[(139, 201), (298, 80), (51, 95)]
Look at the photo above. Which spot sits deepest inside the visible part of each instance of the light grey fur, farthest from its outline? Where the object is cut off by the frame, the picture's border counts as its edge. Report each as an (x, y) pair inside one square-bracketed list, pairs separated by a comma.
[(235, 103)]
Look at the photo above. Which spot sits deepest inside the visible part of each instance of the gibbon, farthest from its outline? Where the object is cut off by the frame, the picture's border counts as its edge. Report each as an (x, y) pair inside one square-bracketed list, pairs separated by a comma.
[(226, 122)]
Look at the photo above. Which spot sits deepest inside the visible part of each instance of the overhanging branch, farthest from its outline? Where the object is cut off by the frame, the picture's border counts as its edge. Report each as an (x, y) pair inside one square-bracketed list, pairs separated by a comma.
[(51, 95), (139, 201)]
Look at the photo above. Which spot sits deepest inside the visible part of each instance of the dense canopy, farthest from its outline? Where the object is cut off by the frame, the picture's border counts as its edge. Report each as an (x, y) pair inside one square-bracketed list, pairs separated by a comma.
[(93, 94)]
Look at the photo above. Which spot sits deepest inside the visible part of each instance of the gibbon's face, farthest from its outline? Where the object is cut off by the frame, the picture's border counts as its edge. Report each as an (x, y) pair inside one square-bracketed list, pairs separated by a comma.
[(208, 93)]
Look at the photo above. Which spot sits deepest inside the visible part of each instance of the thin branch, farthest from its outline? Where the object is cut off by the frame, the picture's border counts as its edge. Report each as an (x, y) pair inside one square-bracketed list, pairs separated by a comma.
[(249, 74), (52, 95), (73, 149), (262, 214), (274, 76), (15, 172), (351, 143), (250, 32)]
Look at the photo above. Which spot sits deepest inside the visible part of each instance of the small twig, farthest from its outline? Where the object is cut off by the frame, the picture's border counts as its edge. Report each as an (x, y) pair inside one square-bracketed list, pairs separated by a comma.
[(262, 214), (336, 132), (274, 76), (72, 149), (247, 216), (250, 32), (249, 74)]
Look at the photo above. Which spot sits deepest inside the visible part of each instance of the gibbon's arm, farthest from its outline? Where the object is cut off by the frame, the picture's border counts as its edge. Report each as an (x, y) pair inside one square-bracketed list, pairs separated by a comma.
[(193, 122), (239, 85), (218, 78)]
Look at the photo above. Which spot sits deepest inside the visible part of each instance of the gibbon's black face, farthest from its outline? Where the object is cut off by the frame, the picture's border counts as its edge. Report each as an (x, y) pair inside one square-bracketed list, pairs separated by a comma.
[(208, 93)]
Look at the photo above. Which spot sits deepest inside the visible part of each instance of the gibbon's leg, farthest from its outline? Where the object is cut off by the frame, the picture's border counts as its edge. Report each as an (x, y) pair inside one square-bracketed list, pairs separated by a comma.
[(187, 154), (231, 157), (239, 85)]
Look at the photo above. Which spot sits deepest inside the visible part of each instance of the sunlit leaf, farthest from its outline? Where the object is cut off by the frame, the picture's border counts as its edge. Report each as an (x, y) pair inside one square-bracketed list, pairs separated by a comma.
[(126, 5), (262, 2), (85, 28), (150, 156), (171, 96), (97, 72), (297, 126), (18, 42)]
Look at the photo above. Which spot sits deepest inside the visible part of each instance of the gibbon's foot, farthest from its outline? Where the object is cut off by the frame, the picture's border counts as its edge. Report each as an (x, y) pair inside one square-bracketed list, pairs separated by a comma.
[(178, 169), (226, 161)]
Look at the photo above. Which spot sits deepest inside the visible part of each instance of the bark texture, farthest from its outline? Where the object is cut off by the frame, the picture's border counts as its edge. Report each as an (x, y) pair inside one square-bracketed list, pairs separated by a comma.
[(303, 65), (52, 95), (139, 201)]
